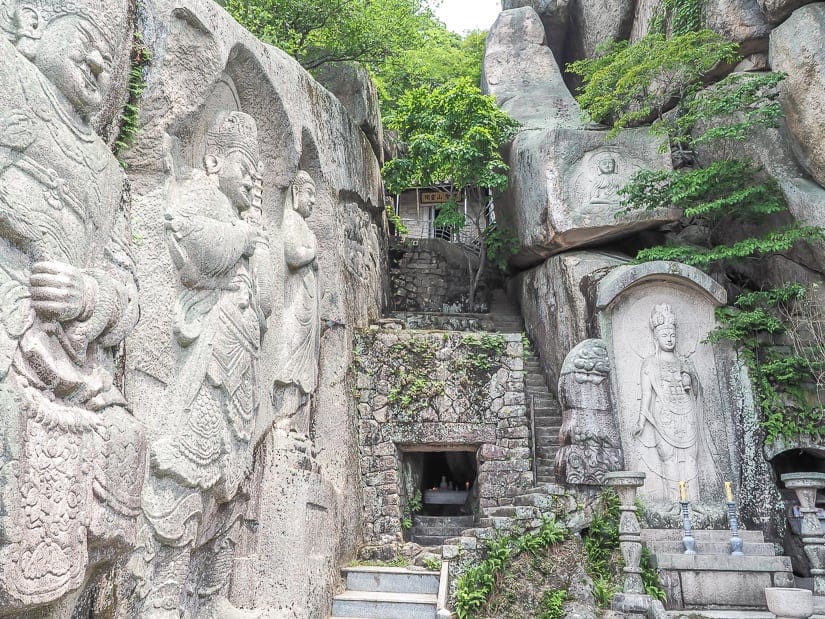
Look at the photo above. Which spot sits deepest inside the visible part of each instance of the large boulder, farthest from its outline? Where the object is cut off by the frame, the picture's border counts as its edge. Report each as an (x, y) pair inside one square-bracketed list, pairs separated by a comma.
[(740, 21), (557, 300), (522, 74), (777, 11), (597, 21), (796, 48), (554, 15), (563, 189)]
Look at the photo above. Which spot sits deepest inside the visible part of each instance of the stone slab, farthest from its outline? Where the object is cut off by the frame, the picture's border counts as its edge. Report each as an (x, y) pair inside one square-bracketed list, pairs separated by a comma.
[(390, 580), (701, 535), (722, 563)]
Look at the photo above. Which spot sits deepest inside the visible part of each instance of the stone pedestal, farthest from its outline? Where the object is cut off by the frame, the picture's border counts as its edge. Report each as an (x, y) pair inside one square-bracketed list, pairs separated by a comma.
[(805, 485), (630, 540)]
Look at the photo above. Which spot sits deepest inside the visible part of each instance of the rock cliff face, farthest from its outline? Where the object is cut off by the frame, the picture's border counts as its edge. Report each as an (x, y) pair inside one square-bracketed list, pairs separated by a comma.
[(178, 424), (562, 196)]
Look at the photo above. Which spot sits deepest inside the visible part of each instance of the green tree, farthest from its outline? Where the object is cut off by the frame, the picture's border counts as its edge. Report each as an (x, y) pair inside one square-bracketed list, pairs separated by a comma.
[(454, 135), (316, 32), (441, 57)]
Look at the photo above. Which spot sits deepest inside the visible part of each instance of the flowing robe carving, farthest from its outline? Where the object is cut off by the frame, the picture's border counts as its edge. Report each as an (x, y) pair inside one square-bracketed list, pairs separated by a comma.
[(302, 316), (73, 457)]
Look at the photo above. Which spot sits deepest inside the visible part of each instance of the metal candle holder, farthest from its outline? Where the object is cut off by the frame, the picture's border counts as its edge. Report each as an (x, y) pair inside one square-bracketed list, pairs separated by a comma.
[(688, 541), (735, 541)]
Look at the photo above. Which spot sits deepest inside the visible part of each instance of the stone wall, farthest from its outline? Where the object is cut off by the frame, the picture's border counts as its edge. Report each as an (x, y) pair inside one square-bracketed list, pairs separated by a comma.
[(447, 390), (432, 275)]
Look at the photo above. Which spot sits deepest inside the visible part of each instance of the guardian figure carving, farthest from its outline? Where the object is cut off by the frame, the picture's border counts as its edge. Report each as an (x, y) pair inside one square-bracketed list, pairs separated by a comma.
[(72, 461)]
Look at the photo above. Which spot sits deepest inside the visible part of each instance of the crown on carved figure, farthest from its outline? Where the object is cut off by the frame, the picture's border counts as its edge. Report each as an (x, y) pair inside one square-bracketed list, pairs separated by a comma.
[(233, 131), (110, 16), (662, 316)]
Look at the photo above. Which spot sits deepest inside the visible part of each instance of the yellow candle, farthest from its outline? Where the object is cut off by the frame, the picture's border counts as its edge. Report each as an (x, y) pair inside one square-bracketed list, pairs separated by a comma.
[(728, 492), (682, 491)]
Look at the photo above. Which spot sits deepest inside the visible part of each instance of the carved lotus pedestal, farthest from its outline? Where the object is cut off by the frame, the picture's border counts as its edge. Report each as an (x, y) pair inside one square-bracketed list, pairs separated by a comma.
[(805, 485)]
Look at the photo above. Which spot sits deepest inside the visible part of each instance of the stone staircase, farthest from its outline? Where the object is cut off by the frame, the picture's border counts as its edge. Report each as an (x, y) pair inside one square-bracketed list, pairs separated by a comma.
[(434, 530), (387, 593), (546, 419), (713, 578)]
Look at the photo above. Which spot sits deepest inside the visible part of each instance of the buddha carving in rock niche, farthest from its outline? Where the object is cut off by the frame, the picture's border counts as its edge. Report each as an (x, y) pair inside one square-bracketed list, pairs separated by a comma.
[(298, 377), (74, 465)]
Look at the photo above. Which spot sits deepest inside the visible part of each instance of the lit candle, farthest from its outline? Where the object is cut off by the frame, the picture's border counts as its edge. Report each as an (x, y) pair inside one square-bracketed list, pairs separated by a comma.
[(682, 490), (728, 492)]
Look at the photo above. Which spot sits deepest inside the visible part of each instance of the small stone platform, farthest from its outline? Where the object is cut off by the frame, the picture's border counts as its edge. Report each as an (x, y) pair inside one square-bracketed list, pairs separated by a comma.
[(713, 578)]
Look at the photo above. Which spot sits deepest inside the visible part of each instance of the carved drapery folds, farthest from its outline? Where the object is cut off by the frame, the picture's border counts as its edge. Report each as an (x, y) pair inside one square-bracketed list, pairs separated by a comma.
[(72, 456), (194, 499), (590, 445), (298, 377)]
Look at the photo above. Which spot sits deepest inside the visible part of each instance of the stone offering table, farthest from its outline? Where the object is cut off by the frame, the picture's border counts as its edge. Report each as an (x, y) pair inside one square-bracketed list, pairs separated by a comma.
[(445, 497)]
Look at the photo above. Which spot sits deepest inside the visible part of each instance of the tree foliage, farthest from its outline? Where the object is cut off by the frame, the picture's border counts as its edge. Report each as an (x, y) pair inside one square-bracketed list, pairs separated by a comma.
[(319, 31), (453, 134), (441, 57), (629, 84)]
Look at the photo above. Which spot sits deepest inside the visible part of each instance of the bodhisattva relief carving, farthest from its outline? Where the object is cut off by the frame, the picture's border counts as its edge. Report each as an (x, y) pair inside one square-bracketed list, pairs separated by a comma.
[(671, 413), (298, 376), (72, 459), (590, 445), (195, 498)]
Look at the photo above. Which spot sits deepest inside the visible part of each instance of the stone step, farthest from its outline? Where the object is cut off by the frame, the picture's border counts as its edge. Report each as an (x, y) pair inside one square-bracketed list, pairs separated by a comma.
[(446, 521), (434, 540), (700, 535), (721, 563), (384, 605), (391, 580), (720, 613), (712, 548), (436, 532)]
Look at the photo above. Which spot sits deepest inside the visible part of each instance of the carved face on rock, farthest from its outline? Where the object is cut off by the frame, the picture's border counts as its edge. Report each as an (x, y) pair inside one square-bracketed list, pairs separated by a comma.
[(607, 165), (77, 59), (236, 178), (304, 198), (665, 337)]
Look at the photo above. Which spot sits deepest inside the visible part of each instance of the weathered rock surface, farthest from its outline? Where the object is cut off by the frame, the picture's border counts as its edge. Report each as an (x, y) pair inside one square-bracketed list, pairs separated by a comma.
[(563, 189), (739, 20), (557, 301), (597, 21), (554, 15), (522, 74), (352, 85), (776, 11), (796, 48)]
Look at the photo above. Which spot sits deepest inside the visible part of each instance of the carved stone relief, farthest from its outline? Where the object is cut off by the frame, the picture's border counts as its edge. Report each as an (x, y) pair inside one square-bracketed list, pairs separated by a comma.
[(597, 179), (675, 405), (72, 456), (298, 376), (590, 445), (195, 496)]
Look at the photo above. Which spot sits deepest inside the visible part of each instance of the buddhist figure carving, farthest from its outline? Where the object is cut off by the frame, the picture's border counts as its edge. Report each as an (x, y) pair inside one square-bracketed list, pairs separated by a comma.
[(73, 456), (670, 415), (606, 184), (298, 376), (195, 498)]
